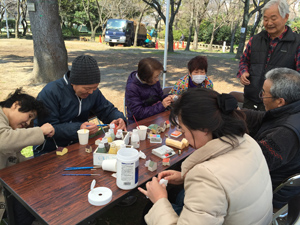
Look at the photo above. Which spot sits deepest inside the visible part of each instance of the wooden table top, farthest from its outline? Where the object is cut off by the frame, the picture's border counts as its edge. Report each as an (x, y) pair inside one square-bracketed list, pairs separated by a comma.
[(55, 199)]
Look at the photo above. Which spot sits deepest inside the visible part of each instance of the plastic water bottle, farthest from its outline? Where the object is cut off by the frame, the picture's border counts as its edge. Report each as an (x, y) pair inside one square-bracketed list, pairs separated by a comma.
[(135, 139)]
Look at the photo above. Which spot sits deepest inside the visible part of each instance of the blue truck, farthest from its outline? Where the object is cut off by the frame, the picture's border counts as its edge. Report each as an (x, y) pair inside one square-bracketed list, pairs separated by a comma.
[(121, 31)]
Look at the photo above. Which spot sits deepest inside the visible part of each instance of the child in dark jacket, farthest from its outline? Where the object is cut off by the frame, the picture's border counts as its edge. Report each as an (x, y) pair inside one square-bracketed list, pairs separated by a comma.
[(144, 95)]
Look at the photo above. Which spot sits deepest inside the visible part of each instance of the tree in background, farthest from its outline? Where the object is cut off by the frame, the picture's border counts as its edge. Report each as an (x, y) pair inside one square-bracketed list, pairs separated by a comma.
[(192, 14), (50, 54), (174, 5), (142, 8), (24, 23), (200, 10), (17, 18), (247, 15)]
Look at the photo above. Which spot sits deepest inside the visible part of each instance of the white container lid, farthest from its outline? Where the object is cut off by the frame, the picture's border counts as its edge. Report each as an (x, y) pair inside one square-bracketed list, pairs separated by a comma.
[(100, 195)]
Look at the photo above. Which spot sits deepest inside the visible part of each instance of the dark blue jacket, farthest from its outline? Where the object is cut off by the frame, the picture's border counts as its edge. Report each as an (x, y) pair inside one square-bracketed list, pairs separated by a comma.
[(277, 131), (67, 112), (142, 100)]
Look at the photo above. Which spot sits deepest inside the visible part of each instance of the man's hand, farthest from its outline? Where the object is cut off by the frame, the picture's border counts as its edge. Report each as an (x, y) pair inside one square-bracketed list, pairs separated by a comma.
[(243, 78), (89, 126), (120, 124)]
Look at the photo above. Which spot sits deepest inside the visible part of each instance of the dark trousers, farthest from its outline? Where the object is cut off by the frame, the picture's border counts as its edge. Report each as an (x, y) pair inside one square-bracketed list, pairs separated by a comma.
[(248, 104)]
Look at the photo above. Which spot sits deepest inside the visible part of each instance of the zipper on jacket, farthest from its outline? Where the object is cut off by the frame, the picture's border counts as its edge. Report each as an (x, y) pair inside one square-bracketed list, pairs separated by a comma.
[(80, 104)]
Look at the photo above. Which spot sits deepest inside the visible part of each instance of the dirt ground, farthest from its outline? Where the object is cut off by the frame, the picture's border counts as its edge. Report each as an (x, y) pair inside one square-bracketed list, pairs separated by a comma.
[(116, 63)]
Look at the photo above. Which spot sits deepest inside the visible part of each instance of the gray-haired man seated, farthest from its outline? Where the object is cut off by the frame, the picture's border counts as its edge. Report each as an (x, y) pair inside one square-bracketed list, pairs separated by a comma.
[(277, 130)]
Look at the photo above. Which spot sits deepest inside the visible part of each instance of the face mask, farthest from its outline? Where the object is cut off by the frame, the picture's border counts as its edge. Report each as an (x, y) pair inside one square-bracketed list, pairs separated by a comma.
[(198, 79)]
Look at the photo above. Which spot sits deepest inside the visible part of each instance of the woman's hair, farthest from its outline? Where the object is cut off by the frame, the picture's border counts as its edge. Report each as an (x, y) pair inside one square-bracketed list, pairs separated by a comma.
[(146, 68), (26, 102), (207, 110), (196, 63)]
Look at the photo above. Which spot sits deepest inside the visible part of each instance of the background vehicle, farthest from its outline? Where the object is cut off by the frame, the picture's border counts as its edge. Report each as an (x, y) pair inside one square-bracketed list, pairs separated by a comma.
[(120, 31)]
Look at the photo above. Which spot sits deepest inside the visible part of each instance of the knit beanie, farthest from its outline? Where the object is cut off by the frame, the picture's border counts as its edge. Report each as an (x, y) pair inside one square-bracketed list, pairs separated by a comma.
[(84, 71)]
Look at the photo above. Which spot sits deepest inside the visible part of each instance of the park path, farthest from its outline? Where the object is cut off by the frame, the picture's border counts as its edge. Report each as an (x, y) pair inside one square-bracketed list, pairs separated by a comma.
[(16, 61)]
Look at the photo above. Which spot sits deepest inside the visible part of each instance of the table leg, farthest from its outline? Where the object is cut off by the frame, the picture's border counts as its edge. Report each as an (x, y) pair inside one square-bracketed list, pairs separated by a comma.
[(9, 199)]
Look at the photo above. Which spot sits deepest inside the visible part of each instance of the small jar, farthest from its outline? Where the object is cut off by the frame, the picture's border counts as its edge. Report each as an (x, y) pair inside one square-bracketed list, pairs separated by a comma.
[(135, 140)]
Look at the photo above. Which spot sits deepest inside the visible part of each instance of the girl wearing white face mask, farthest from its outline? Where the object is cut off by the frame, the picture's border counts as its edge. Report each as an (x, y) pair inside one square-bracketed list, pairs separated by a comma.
[(196, 77)]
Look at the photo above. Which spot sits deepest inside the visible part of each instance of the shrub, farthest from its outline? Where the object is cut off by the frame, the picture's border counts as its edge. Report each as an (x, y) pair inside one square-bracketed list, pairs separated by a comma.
[(69, 32)]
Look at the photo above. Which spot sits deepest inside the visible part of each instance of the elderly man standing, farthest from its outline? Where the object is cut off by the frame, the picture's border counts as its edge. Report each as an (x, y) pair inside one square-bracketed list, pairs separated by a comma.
[(277, 130), (276, 46), (70, 101)]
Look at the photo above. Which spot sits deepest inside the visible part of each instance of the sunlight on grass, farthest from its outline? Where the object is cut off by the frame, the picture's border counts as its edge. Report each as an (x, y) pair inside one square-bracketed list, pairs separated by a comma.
[(27, 152)]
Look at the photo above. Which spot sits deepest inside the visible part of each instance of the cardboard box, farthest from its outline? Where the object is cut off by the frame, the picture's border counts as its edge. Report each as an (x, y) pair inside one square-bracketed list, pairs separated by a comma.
[(99, 157)]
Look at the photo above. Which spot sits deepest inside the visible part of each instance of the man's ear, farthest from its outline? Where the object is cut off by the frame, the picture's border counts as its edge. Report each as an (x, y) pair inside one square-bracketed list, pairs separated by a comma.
[(281, 102)]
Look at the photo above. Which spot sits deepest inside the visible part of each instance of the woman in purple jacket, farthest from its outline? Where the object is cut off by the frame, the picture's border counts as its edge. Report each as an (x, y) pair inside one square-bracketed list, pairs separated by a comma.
[(144, 96)]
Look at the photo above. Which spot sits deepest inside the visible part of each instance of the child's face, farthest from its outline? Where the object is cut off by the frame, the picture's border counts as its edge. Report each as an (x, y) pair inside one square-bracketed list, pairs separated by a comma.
[(19, 119)]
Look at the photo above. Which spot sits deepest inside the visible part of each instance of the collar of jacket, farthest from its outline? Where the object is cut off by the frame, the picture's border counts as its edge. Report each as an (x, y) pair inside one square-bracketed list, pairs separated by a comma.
[(288, 36), (67, 82), (291, 108), (212, 149)]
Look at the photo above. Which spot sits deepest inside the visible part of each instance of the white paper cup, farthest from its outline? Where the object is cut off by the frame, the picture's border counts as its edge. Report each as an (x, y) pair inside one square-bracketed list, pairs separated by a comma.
[(142, 131), (83, 136)]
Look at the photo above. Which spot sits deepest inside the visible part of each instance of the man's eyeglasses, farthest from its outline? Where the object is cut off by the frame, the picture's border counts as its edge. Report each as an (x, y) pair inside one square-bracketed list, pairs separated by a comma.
[(260, 95)]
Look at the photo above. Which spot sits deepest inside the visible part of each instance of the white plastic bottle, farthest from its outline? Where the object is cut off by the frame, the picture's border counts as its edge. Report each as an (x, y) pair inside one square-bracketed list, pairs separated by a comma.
[(112, 134), (135, 139)]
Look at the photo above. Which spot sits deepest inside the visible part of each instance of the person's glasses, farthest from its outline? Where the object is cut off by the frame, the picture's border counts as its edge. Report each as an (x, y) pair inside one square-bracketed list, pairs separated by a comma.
[(261, 95)]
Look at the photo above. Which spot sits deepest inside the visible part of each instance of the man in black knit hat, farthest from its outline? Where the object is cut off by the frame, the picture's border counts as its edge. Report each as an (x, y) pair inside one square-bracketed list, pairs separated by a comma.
[(70, 101)]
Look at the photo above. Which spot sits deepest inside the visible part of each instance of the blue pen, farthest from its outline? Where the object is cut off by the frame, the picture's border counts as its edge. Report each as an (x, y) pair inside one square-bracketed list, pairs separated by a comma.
[(81, 174)]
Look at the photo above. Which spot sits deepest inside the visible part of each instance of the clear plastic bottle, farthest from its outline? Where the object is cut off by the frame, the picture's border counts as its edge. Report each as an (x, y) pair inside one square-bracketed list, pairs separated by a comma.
[(135, 140), (113, 126), (113, 148), (101, 148), (108, 137), (112, 134), (119, 135), (106, 145)]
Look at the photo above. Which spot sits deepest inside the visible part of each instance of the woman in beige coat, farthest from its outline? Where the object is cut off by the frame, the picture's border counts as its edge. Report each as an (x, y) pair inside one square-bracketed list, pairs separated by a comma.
[(226, 180)]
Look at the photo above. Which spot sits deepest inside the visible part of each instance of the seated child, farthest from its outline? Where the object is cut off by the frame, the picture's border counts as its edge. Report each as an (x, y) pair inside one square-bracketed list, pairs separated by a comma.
[(144, 95), (196, 77)]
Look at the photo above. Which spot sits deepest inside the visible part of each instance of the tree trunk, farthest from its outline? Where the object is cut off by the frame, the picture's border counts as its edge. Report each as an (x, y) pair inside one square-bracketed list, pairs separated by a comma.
[(256, 23), (212, 35), (232, 37), (195, 42), (187, 48), (17, 20), (25, 26), (50, 54), (170, 39), (136, 33)]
